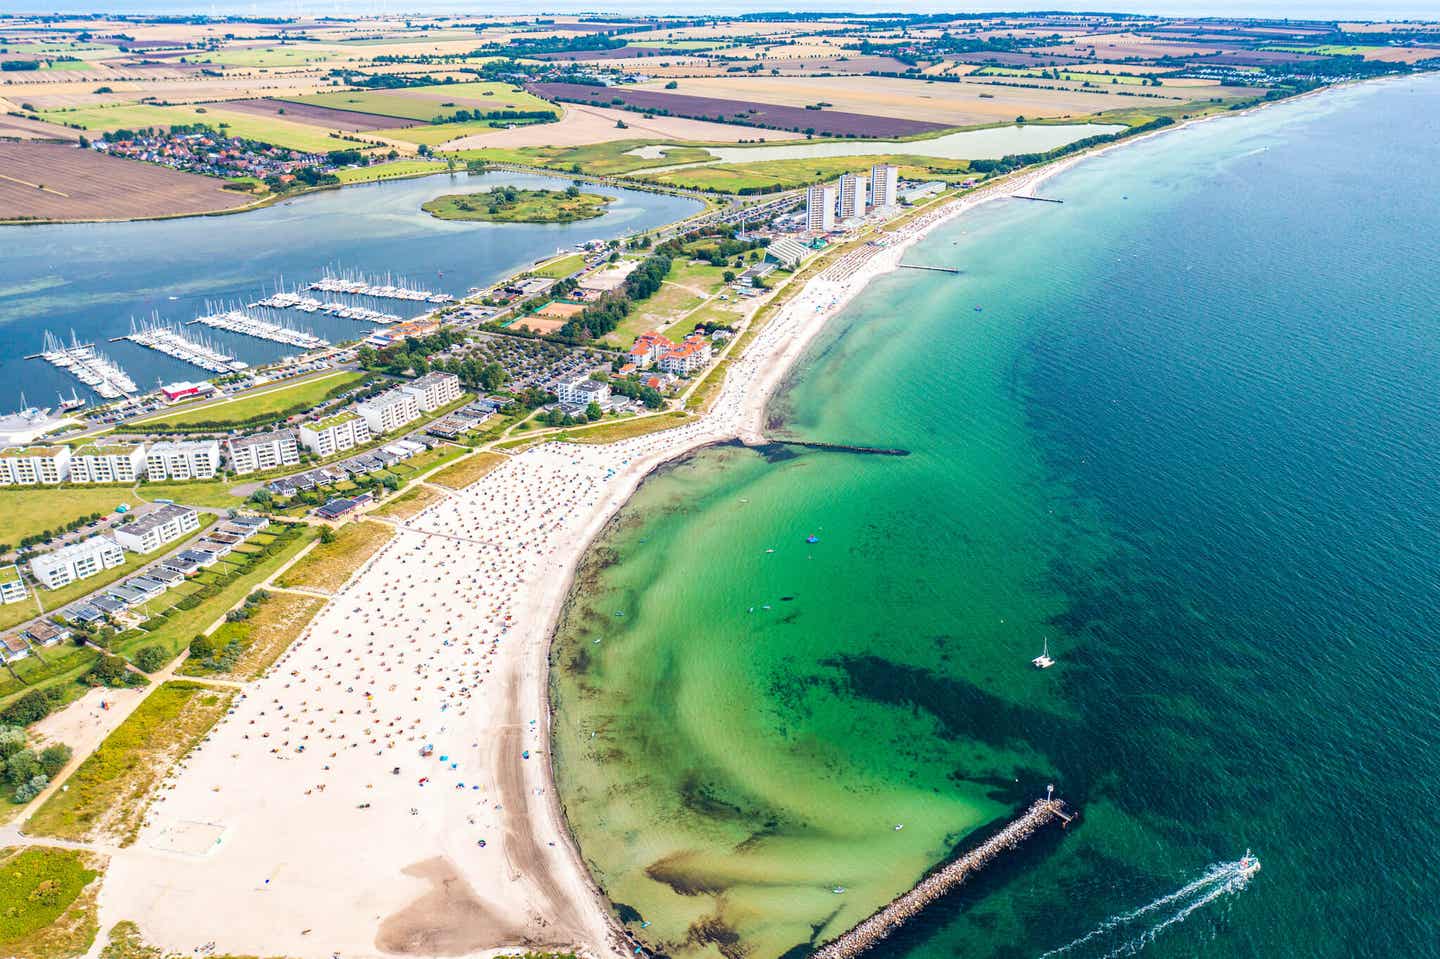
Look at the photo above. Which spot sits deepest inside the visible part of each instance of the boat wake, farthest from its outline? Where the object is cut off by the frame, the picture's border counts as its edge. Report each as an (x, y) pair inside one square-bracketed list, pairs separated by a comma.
[(1127, 933)]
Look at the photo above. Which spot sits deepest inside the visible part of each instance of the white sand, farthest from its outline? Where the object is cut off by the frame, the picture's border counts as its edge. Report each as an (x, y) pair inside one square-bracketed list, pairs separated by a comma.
[(440, 639)]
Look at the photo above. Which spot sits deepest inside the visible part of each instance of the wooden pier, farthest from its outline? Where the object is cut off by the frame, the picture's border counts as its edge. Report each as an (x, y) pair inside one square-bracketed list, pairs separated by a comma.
[(936, 269), (901, 910), (1037, 199)]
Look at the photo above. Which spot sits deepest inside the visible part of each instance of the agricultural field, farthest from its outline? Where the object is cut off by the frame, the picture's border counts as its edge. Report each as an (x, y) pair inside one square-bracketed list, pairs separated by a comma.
[(425, 104), (260, 403), (348, 121), (744, 112), (944, 104), (290, 55), (49, 181), (110, 791), (438, 134), (276, 130)]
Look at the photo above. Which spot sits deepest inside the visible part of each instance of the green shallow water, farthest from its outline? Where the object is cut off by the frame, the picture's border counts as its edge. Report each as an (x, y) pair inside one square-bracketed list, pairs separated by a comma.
[(1190, 438)]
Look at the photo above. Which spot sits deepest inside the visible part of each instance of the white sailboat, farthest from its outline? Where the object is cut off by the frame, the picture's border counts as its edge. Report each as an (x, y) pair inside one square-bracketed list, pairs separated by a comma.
[(1043, 661)]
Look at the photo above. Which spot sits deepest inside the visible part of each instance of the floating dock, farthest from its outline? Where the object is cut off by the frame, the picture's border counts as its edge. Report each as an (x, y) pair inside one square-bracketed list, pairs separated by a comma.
[(360, 285), (238, 321), (87, 365), (888, 919), (171, 342)]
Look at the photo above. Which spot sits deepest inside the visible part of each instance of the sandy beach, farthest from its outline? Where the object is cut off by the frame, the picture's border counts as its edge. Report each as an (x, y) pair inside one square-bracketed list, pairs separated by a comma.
[(386, 789)]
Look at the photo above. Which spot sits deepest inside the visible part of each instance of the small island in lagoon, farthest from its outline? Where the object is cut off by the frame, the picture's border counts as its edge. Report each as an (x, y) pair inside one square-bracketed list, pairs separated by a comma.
[(508, 204)]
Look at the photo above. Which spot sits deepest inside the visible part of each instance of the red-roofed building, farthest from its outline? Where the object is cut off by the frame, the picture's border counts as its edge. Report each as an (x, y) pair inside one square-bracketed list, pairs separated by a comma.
[(648, 348), (688, 357)]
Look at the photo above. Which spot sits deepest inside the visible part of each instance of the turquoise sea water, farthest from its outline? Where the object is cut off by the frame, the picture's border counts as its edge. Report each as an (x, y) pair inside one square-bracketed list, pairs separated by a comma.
[(1191, 437)]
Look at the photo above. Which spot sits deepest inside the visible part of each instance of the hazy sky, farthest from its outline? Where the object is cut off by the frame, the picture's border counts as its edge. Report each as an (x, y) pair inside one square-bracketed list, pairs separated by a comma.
[(1328, 9)]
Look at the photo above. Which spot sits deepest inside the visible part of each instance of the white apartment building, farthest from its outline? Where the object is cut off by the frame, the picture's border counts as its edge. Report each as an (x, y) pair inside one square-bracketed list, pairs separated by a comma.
[(820, 208), (434, 390), (884, 185), (263, 451), (183, 460), (12, 585), (583, 391), (76, 561), (117, 463), (389, 411), (852, 196), (30, 465), (155, 529), (334, 434)]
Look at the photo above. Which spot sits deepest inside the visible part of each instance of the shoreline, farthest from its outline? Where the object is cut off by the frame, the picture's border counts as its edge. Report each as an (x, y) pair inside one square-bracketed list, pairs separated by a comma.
[(1022, 183), (488, 569)]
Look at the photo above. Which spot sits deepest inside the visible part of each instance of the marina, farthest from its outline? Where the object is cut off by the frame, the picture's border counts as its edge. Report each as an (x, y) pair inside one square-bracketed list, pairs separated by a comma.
[(88, 365), (358, 284), (157, 336), (238, 321)]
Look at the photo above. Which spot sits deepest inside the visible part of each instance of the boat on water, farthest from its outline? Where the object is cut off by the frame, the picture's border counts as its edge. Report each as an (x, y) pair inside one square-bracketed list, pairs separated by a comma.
[(73, 403), (1249, 864), (1043, 661)]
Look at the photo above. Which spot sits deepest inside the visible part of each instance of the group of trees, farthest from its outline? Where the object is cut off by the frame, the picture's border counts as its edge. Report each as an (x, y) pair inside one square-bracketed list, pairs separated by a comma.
[(632, 387), (464, 116), (605, 314), (413, 354), (1014, 161), (27, 771)]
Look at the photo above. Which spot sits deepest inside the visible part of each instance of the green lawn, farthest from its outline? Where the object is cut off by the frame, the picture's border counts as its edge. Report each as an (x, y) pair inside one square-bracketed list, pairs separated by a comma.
[(32, 510), (266, 401), (44, 913), (671, 302), (62, 664), (789, 174), (111, 789), (182, 625), (560, 268), (214, 493), (297, 136), (597, 159), (389, 171)]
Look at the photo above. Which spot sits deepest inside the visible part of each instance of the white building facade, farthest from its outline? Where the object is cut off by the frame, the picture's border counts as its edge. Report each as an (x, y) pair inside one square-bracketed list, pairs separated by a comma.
[(583, 391), (434, 390), (76, 561), (389, 411), (183, 460), (820, 208), (155, 529), (334, 434), (884, 184), (34, 465), (263, 451), (852, 196), (108, 464)]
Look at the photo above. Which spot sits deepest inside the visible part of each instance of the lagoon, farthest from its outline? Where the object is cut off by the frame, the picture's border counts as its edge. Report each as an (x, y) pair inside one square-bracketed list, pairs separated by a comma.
[(990, 143), (93, 277)]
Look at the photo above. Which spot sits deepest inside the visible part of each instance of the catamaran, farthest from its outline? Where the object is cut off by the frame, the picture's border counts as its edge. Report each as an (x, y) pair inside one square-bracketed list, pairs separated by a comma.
[(1043, 661)]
